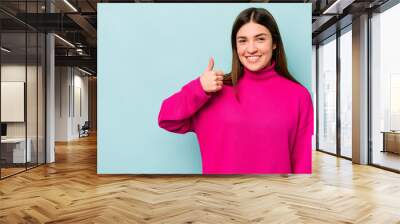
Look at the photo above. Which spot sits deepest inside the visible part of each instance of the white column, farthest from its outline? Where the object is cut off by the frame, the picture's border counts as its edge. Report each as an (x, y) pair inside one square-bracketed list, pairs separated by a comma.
[(360, 90), (50, 92)]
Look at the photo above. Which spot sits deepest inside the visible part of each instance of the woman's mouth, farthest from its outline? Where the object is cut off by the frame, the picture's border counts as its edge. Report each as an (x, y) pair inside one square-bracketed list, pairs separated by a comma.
[(253, 58)]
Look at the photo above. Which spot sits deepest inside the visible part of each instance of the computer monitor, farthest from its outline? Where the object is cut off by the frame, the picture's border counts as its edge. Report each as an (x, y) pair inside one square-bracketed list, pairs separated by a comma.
[(3, 129)]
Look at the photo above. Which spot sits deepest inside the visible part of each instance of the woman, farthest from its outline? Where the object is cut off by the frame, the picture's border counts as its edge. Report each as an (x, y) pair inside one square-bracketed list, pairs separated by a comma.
[(256, 120)]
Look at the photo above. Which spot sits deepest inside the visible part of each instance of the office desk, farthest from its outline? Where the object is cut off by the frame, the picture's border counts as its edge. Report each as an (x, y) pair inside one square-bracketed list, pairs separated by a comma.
[(391, 141), (15, 148)]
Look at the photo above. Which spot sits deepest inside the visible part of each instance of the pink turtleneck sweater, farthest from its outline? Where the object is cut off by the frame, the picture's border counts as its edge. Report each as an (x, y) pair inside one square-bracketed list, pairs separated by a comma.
[(268, 131)]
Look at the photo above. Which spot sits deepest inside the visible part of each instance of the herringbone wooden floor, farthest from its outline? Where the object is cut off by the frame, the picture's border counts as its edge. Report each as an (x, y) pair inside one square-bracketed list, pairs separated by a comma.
[(70, 191)]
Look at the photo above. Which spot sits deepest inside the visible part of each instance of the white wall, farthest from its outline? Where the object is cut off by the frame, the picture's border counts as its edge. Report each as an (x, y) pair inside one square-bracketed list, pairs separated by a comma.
[(15, 72), (33, 127), (9, 73), (62, 81), (71, 94)]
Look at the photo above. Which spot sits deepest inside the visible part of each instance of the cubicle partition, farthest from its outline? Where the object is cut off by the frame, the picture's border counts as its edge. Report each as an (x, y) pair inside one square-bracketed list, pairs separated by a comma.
[(22, 92)]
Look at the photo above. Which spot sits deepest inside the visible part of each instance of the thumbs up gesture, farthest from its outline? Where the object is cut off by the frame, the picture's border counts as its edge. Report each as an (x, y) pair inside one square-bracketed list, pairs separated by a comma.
[(211, 81)]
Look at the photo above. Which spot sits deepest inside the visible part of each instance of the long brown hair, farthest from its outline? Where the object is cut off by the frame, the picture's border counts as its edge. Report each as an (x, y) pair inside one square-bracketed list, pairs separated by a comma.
[(262, 17)]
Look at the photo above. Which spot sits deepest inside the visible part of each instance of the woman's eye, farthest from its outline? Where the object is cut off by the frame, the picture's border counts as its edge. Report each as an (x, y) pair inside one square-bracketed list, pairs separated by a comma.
[(260, 39), (241, 41)]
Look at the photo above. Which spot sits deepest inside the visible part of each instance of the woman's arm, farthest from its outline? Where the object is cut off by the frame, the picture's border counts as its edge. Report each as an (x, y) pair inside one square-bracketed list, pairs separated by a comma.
[(302, 148), (177, 111)]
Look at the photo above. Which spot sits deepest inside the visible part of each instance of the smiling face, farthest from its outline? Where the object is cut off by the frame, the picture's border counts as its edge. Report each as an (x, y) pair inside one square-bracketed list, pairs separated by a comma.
[(254, 46)]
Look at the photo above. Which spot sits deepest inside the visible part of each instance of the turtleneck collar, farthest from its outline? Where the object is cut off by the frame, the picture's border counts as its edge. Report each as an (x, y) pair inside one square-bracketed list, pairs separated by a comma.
[(262, 74)]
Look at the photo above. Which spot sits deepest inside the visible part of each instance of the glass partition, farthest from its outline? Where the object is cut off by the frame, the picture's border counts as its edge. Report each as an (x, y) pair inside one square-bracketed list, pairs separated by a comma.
[(22, 77), (32, 95), (14, 153)]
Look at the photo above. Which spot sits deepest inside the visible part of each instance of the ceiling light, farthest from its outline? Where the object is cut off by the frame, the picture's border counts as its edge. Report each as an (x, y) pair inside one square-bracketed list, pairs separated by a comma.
[(5, 49), (338, 6), (64, 40), (86, 72), (70, 5)]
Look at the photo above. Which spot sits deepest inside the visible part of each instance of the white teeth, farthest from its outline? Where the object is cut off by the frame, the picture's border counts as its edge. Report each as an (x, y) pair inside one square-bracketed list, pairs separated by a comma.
[(253, 58)]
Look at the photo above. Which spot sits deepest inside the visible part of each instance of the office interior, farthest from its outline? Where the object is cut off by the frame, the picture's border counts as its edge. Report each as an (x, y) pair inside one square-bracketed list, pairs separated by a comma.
[(48, 80)]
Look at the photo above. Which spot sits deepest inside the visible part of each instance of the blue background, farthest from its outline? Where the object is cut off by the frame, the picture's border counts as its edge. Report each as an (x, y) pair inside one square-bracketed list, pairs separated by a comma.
[(148, 51)]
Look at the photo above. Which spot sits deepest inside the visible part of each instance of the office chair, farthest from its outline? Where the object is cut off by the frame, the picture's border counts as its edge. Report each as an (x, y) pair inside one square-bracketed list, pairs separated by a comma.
[(84, 130)]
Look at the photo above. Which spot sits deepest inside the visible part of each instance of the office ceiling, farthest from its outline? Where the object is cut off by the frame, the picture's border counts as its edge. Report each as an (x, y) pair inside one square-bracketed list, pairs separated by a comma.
[(77, 23)]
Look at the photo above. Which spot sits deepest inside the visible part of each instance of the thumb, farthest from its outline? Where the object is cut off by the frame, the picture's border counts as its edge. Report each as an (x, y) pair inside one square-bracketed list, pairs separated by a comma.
[(220, 73), (210, 66)]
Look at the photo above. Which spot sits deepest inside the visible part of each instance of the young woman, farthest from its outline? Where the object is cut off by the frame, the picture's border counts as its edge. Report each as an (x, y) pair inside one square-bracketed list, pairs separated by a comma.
[(256, 120)]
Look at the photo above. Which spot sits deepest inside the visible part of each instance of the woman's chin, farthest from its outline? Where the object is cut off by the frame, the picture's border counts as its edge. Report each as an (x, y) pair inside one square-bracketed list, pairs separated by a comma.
[(253, 67)]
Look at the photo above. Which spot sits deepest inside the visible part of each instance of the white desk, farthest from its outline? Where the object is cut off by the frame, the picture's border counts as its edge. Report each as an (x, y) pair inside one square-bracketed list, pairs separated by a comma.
[(18, 149)]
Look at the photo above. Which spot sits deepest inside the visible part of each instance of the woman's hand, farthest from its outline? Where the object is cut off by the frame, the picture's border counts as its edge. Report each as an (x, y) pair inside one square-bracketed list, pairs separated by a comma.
[(211, 81)]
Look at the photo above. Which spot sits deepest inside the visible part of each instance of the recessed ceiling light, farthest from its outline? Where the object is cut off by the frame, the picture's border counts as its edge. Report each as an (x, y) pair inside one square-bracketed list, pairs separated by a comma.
[(70, 5), (86, 72), (5, 49), (64, 40), (337, 7)]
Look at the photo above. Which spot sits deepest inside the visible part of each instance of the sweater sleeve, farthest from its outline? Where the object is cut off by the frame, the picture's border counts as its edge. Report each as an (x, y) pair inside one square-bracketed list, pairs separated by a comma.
[(302, 148), (176, 113)]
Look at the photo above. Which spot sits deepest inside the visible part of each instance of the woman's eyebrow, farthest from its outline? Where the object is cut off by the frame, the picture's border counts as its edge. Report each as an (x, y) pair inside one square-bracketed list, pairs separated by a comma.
[(258, 35), (261, 34)]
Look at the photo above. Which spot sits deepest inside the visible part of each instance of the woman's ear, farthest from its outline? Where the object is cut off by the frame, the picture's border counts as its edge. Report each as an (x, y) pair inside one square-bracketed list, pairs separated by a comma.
[(273, 46)]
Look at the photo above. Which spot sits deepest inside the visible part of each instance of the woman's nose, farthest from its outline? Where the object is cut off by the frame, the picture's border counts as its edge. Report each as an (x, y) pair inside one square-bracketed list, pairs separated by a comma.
[(251, 48)]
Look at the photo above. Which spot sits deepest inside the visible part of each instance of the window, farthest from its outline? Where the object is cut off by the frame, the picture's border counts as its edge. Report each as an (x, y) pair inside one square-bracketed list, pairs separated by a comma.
[(346, 93), (385, 89), (327, 96)]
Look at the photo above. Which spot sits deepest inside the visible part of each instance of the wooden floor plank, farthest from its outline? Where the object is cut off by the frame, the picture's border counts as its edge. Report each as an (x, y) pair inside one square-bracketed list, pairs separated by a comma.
[(70, 191)]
